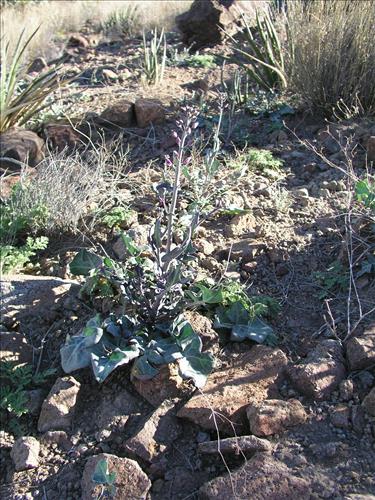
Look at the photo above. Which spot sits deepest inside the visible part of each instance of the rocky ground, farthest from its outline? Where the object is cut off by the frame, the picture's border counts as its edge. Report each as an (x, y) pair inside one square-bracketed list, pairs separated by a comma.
[(293, 421)]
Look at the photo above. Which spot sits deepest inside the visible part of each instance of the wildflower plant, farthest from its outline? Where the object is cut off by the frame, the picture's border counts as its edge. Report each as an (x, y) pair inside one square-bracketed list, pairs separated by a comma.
[(149, 290)]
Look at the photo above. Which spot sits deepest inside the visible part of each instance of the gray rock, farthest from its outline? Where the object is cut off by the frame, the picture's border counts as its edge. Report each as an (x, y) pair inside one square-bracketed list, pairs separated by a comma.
[(58, 409), (25, 453)]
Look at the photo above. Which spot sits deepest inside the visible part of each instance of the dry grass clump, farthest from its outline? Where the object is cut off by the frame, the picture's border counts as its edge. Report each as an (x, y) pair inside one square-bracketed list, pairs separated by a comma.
[(56, 17), (332, 53), (70, 190)]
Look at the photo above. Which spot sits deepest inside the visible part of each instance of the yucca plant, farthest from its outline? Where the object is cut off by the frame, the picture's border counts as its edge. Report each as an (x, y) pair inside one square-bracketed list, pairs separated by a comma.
[(20, 100), (261, 58), (155, 55), (122, 22)]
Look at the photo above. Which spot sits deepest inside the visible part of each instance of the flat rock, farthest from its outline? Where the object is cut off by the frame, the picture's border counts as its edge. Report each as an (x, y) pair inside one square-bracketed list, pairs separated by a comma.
[(166, 385), (25, 297), (235, 445), (154, 434), (25, 453), (148, 111), (274, 416), (253, 377), (131, 482), (321, 372), (59, 406), (360, 350), (260, 478)]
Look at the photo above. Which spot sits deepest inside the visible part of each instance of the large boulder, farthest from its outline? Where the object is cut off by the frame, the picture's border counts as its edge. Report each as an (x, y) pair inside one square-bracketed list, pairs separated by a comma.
[(202, 25), (222, 403), (261, 477), (20, 147)]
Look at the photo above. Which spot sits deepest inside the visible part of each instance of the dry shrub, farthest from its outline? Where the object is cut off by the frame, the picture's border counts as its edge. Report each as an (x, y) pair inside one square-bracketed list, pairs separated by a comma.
[(332, 53), (57, 17)]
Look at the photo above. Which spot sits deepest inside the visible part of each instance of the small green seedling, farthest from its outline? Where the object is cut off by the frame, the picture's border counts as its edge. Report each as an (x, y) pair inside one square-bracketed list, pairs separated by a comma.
[(105, 479)]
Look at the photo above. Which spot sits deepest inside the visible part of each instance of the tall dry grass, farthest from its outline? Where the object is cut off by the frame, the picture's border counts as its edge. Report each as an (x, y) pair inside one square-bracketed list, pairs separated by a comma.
[(332, 53), (58, 17)]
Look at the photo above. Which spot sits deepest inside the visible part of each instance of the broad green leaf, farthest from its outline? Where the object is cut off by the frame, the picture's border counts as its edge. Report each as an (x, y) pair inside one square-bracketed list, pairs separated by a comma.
[(76, 353), (84, 262), (197, 366), (103, 363), (100, 475), (143, 370), (257, 331)]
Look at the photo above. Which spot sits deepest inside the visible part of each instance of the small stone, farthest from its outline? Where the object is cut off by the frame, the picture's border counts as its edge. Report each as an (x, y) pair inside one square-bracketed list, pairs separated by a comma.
[(25, 453), (148, 111), (37, 65), (130, 480), (58, 409), (369, 402), (235, 445), (361, 350), (109, 74), (340, 417), (346, 389), (301, 193), (273, 416), (77, 40)]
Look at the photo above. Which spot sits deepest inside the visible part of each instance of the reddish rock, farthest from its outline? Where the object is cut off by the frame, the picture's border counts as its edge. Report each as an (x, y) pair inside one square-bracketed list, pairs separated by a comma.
[(260, 478), (20, 147), (130, 483), (321, 372), (240, 225), (58, 409), (252, 378), (148, 111), (167, 384), (369, 402), (62, 137), (120, 113), (360, 351), (274, 416), (202, 25)]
